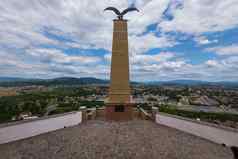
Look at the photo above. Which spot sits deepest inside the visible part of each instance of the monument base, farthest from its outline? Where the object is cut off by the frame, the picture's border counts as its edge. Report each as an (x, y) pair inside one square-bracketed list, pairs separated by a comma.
[(119, 112)]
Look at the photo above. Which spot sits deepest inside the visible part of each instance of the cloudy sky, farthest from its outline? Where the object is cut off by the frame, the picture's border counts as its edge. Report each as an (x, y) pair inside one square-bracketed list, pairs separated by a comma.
[(169, 39)]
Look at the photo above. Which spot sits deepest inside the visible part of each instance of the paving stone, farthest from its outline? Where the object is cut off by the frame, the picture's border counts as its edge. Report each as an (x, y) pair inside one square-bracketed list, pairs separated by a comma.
[(98, 139)]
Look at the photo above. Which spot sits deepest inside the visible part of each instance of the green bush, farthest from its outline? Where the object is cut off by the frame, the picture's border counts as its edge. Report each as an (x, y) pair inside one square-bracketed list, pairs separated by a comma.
[(202, 115), (90, 104)]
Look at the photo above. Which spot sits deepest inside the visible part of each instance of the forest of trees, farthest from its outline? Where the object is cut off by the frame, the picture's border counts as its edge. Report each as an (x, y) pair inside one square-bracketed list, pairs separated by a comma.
[(37, 102)]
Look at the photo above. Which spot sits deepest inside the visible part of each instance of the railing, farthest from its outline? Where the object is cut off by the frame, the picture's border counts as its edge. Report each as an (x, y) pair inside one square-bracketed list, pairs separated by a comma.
[(99, 113), (144, 115)]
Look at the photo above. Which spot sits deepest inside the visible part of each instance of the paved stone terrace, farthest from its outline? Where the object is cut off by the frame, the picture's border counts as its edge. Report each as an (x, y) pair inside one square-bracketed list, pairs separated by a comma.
[(108, 140)]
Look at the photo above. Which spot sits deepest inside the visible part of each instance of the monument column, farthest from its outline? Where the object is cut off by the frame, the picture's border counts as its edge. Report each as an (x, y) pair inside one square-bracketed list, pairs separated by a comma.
[(119, 106), (119, 86)]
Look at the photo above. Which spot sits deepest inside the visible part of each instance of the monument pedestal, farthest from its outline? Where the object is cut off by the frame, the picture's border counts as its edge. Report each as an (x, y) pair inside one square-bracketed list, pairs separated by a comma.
[(119, 112)]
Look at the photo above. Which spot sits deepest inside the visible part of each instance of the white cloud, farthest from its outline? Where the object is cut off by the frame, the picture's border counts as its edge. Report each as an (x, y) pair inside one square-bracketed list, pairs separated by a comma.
[(199, 16), (224, 50), (57, 56), (165, 70), (28, 27), (150, 13), (23, 22), (142, 44), (211, 70), (150, 59), (49, 63), (202, 40), (212, 63), (145, 59)]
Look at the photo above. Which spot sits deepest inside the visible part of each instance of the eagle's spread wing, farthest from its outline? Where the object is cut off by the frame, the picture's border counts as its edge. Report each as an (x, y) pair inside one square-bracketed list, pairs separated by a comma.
[(116, 11), (129, 10)]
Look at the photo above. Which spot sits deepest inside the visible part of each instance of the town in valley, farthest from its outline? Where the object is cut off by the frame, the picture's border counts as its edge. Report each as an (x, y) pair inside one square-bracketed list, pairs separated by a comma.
[(25, 100)]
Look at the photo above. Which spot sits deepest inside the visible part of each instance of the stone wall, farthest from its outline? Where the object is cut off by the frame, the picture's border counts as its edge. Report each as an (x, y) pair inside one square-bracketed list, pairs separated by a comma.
[(24, 129), (217, 134)]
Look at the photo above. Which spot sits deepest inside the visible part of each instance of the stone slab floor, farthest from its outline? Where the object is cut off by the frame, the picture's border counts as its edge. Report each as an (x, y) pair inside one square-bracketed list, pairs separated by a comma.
[(98, 139)]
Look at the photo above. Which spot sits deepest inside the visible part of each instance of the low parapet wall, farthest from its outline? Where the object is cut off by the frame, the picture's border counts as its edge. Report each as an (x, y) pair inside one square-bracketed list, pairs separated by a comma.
[(21, 130), (220, 135)]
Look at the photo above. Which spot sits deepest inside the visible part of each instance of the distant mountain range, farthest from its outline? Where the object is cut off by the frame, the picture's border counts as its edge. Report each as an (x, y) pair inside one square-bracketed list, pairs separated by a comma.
[(195, 83), (12, 81)]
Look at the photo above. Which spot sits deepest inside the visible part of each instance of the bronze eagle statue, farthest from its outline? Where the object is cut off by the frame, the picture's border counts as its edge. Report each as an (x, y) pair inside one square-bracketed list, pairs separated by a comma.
[(121, 14)]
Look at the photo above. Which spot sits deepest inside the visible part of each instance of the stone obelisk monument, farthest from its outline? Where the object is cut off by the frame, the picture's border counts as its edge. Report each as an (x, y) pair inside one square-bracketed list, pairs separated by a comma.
[(119, 106)]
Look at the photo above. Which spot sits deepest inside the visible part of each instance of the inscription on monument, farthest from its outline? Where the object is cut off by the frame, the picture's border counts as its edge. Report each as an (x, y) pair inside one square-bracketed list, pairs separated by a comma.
[(119, 108)]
